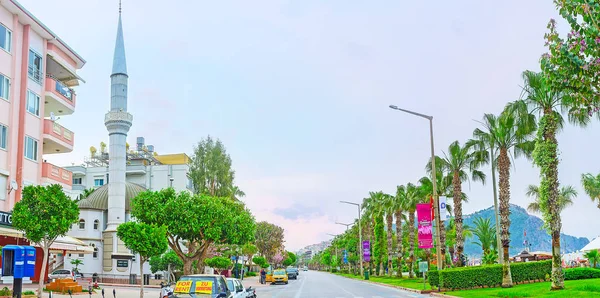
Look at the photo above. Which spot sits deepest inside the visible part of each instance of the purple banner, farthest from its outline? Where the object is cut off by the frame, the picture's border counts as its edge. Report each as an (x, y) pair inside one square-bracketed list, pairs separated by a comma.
[(366, 251), (425, 235)]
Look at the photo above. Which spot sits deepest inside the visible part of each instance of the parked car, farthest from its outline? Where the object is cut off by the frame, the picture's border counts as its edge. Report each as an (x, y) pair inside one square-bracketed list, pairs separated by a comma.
[(198, 285), (292, 273), (63, 273), (280, 276), (237, 288)]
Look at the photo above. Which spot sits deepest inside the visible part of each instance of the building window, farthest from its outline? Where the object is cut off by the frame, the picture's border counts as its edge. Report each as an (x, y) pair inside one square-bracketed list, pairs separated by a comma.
[(77, 181), (96, 224), (4, 85), (95, 254), (3, 181), (98, 182), (35, 66), (33, 103), (107, 176), (5, 38), (82, 224), (31, 148), (80, 255), (3, 136)]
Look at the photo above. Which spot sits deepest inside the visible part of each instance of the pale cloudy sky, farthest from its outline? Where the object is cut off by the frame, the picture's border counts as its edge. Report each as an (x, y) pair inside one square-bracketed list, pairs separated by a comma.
[(299, 93)]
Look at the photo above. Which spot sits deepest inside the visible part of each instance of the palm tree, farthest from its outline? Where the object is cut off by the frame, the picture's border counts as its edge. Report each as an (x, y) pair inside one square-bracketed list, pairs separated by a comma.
[(486, 234), (461, 162), (413, 197), (564, 198), (451, 236), (400, 201), (389, 208), (509, 133), (379, 211), (236, 193), (86, 193), (591, 186), (541, 100), (593, 257)]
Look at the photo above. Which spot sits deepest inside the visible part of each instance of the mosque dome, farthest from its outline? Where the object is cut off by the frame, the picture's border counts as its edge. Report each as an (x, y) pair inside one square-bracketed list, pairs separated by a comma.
[(98, 200)]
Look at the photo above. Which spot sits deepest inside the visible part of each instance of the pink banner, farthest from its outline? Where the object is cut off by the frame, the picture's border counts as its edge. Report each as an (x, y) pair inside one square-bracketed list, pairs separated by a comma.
[(425, 227)]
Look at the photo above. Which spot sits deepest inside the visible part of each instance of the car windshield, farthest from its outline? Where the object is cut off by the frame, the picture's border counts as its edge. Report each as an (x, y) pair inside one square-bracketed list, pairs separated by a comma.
[(196, 285), (230, 285), (290, 270), (279, 272)]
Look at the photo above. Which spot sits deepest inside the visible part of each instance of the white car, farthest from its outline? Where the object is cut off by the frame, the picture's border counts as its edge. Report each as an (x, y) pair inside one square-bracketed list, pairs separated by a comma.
[(62, 273), (237, 289)]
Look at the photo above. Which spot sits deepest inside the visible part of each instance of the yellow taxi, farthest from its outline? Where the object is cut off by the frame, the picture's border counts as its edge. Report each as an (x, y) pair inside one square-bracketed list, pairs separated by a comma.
[(269, 276), (280, 276)]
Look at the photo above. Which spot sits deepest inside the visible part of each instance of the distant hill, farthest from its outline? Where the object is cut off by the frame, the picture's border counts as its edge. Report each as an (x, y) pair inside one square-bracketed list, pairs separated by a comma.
[(521, 221)]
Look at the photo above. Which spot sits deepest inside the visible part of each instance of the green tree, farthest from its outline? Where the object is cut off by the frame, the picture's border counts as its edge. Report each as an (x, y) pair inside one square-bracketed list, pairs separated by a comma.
[(269, 239), (210, 169), (451, 236), (462, 162), (485, 232), (168, 260), (413, 197), (388, 205), (260, 261), (76, 263), (565, 198), (591, 186), (44, 213), (511, 134), (249, 250), (199, 220), (86, 193), (541, 101), (146, 240), (290, 260), (399, 206), (593, 257), (571, 64), (219, 263)]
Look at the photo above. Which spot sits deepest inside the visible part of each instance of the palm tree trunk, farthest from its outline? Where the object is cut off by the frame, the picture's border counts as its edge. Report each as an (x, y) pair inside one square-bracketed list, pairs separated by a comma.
[(504, 184), (443, 242), (390, 220), (399, 243), (496, 212), (550, 171), (411, 242), (458, 220)]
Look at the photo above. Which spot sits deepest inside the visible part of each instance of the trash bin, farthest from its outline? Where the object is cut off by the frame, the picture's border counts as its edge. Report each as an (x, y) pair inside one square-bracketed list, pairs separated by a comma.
[(366, 274), (132, 279), (146, 279)]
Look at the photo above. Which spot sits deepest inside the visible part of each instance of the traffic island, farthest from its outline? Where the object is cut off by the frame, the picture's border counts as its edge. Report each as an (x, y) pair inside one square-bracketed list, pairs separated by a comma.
[(63, 285)]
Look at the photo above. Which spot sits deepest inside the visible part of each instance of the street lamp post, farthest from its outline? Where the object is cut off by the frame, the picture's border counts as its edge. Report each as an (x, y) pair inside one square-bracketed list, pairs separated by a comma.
[(360, 257), (343, 224), (434, 181)]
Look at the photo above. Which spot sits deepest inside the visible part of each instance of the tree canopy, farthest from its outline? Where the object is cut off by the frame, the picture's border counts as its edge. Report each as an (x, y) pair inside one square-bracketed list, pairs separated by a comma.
[(269, 239), (210, 170)]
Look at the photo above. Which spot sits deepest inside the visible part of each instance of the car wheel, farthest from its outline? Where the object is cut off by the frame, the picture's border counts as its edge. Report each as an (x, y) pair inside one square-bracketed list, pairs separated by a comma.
[(286, 282)]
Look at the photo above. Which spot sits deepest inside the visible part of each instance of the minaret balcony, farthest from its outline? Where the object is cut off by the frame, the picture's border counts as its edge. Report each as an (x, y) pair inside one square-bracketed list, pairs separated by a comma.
[(57, 139), (52, 174), (59, 99)]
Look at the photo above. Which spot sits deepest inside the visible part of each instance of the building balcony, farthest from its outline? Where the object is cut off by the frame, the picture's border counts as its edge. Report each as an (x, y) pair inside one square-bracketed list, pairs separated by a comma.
[(59, 99), (135, 170), (52, 174), (57, 139)]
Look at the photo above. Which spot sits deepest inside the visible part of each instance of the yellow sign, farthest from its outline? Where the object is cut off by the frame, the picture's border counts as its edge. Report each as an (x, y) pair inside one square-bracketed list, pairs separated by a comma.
[(183, 286), (204, 287)]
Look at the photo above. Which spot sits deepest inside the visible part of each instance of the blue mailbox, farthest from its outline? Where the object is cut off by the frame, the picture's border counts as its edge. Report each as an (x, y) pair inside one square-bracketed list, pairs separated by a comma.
[(29, 261), (14, 260)]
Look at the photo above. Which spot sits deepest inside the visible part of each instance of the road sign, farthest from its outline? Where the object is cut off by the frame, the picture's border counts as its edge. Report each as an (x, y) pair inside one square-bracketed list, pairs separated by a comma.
[(423, 267), (367, 251)]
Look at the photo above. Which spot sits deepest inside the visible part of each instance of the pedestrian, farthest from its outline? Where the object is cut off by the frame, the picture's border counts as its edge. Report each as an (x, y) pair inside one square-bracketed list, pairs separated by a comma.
[(263, 276)]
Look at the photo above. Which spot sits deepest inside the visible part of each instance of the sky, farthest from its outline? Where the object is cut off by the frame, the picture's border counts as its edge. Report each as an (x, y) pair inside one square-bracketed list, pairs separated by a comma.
[(298, 91)]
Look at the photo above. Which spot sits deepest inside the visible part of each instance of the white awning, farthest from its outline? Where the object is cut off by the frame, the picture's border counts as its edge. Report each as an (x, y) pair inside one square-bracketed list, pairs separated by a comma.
[(594, 245), (64, 243), (11, 232)]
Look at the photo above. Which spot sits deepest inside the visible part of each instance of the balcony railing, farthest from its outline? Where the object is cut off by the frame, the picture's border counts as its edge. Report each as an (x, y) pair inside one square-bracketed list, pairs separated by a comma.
[(54, 85), (57, 174), (58, 131), (35, 74)]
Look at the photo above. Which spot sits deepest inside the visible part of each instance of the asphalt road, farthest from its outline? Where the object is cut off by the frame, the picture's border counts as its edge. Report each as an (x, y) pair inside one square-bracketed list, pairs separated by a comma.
[(314, 284)]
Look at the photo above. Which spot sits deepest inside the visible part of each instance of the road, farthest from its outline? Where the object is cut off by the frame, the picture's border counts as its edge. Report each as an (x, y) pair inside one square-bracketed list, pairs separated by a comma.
[(314, 284)]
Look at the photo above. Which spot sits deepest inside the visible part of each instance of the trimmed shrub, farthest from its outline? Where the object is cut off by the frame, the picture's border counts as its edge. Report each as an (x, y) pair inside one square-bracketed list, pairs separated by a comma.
[(434, 278), (491, 275), (581, 273), (250, 273)]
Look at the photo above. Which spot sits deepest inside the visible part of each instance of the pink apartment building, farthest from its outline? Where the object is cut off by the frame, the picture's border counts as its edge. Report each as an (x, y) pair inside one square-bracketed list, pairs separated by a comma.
[(38, 71)]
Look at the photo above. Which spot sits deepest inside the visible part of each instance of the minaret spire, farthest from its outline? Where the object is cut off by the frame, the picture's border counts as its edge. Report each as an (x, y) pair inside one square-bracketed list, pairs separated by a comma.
[(119, 61), (119, 7)]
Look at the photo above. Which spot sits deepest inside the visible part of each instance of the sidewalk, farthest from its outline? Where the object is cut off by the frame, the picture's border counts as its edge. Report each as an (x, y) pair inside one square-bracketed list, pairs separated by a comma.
[(253, 281)]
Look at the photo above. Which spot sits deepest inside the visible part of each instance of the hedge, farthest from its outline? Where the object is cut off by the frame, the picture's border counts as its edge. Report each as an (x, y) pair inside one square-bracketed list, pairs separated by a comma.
[(489, 275), (581, 273), (434, 278)]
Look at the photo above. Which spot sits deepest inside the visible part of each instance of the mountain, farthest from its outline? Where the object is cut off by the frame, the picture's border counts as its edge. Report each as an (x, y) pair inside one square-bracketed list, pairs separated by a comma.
[(521, 221), (314, 248)]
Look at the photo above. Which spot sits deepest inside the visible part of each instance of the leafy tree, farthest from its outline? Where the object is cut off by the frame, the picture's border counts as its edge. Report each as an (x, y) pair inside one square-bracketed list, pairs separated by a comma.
[(399, 206), (462, 162), (210, 169), (260, 261), (278, 258), (144, 239), (451, 236), (269, 239), (249, 250), (542, 101), (486, 234), (591, 186), (571, 64), (76, 263), (565, 198), (86, 193), (413, 197), (219, 263), (236, 193), (490, 258), (161, 263), (510, 134), (290, 260), (199, 220), (593, 257), (44, 214)]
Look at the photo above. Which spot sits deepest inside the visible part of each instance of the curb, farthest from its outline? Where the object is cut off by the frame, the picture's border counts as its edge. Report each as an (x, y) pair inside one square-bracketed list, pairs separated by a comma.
[(128, 286), (392, 286), (442, 295)]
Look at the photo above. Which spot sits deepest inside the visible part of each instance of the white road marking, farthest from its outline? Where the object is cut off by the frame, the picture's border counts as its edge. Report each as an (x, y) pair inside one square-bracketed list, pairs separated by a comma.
[(300, 289)]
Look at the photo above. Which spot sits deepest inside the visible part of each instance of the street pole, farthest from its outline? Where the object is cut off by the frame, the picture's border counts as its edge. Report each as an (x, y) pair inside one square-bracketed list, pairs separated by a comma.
[(434, 182), (360, 257)]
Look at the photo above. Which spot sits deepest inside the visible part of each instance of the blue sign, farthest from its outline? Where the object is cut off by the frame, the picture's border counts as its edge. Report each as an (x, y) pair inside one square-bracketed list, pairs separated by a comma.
[(345, 256)]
